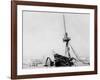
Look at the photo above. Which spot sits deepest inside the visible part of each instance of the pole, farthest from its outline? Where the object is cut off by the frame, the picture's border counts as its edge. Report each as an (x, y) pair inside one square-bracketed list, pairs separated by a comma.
[(64, 23), (67, 49)]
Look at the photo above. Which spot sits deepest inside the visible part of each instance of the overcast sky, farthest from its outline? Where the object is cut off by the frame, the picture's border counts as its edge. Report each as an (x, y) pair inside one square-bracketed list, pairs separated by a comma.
[(43, 32)]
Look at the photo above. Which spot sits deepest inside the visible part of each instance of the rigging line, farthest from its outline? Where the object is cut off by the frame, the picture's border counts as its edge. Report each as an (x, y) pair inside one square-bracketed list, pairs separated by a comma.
[(77, 56), (74, 52), (64, 23)]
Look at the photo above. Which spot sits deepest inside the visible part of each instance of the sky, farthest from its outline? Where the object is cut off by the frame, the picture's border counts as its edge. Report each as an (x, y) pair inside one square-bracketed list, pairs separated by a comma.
[(43, 33)]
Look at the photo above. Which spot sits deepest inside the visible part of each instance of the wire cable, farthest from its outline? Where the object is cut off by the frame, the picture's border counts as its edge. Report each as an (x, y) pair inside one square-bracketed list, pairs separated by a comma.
[(77, 56)]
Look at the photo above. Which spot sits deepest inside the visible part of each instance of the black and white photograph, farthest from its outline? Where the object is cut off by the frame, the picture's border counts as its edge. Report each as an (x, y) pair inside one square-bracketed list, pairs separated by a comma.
[(55, 39)]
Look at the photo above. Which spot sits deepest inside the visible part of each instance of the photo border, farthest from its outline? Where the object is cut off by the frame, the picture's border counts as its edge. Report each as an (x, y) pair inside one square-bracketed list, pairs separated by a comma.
[(14, 38)]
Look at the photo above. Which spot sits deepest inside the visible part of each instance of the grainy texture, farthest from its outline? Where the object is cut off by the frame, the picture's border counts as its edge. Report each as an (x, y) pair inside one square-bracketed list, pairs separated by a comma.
[(14, 39)]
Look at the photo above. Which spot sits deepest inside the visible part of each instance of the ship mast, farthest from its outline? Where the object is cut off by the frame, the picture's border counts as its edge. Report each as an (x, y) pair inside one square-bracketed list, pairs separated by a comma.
[(66, 39), (64, 23)]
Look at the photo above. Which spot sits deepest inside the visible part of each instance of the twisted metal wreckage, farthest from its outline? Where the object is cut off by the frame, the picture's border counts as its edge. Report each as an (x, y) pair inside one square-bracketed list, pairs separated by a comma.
[(60, 60)]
